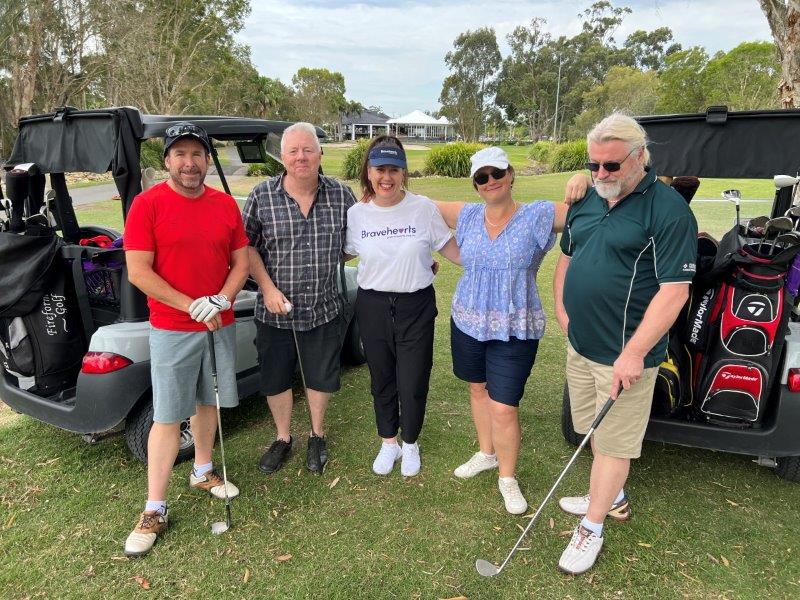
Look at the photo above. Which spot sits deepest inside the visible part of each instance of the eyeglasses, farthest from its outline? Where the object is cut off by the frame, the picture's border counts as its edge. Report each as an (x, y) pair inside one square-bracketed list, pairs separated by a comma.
[(188, 128), (611, 167), (497, 174)]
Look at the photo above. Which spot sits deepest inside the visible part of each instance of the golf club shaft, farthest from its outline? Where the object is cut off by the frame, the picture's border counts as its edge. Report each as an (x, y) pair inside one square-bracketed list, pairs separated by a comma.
[(219, 426), (597, 420), (290, 310)]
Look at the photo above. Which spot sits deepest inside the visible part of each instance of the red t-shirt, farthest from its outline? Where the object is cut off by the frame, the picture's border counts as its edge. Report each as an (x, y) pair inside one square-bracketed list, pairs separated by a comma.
[(193, 239)]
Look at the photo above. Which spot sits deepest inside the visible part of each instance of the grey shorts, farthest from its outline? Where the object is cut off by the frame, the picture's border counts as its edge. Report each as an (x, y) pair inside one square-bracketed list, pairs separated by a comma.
[(180, 369)]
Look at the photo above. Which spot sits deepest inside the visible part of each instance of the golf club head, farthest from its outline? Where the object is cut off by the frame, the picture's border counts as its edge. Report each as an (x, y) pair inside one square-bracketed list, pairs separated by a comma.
[(219, 527), (782, 181), (732, 196), (760, 221), (485, 568)]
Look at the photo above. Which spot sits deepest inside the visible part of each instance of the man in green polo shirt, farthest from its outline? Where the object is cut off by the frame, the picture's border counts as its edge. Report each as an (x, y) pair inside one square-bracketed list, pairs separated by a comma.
[(628, 255)]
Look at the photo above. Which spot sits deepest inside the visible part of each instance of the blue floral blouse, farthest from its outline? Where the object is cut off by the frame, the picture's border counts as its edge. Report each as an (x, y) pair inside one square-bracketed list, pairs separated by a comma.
[(497, 297)]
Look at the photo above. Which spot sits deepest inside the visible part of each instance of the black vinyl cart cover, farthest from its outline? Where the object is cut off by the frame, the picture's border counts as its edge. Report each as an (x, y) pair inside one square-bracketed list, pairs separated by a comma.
[(94, 141), (718, 143)]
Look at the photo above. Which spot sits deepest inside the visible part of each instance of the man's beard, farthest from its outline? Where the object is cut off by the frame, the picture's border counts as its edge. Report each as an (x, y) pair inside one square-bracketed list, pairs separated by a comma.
[(616, 189)]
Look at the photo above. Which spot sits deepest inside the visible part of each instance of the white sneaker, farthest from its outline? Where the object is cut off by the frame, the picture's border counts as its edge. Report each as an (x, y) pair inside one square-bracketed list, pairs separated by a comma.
[(579, 506), (411, 462), (513, 498), (478, 463), (387, 456), (581, 553)]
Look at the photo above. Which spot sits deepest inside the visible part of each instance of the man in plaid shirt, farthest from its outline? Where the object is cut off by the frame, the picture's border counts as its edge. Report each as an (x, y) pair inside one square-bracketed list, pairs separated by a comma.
[(296, 223)]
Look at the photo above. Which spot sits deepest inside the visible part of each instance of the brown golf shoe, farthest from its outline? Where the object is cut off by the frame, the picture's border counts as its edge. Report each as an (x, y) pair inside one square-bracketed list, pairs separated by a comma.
[(212, 483), (140, 541)]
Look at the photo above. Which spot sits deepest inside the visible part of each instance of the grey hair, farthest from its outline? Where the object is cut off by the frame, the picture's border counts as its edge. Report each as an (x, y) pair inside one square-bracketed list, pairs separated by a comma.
[(305, 128), (619, 126)]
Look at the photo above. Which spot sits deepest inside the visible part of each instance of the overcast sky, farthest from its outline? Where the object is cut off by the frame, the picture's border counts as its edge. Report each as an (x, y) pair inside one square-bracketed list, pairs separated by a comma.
[(391, 53)]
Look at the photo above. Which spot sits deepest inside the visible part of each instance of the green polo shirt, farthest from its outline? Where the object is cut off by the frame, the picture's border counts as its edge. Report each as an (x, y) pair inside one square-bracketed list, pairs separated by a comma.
[(618, 259)]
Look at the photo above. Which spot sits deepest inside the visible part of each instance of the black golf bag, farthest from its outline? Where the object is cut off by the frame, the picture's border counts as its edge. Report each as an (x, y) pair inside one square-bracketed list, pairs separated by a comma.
[(736, 331), (41, 336)]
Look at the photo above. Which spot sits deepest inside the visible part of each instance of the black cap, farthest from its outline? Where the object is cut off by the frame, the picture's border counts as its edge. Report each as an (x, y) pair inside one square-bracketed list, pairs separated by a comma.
[(185, 129)]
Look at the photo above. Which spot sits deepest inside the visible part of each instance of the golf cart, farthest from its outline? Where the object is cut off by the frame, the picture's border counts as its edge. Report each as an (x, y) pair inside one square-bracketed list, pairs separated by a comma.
[(74, 351), (753, 144)]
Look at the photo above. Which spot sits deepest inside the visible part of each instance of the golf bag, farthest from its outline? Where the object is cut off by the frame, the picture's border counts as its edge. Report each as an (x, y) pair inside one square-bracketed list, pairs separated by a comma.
[(674, 389), (736, 333), (40, 329)]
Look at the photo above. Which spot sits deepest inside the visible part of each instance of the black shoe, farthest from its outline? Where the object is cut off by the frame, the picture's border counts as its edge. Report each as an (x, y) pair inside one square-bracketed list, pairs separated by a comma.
[(275, 457), (317, 454)]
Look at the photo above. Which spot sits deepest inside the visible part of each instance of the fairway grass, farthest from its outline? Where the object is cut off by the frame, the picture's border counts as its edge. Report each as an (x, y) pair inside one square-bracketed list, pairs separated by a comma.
[(705, 524)]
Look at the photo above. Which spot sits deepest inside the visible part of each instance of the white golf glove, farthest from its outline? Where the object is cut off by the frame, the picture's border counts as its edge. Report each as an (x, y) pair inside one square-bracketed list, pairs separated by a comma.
[(206, 308)]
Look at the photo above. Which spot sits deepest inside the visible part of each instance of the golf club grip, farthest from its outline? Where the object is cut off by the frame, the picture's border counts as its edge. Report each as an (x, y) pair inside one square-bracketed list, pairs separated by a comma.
[(210, 338), (602, 413)]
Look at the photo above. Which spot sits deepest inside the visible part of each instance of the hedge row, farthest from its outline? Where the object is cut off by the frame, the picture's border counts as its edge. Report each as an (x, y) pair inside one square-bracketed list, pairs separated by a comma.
[(450, 160), (266, 169)]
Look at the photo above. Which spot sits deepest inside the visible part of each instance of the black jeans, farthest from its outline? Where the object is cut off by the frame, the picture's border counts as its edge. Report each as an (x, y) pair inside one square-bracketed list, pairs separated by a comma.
[(397, 332)]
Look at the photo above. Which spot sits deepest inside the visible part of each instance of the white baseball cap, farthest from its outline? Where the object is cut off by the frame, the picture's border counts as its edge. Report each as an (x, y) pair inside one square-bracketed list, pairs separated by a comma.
[(488, 157)]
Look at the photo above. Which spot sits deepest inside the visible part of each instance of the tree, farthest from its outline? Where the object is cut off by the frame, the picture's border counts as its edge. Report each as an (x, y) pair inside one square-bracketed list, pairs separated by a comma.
[(468, 89), (271, 99), (682, 86), (624, 89), (744, 78), (784, 21), (320, 96), (649, 49)]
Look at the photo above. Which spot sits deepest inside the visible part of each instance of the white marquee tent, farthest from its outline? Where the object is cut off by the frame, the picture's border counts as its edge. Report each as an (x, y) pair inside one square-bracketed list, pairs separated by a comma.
[(418, 124)]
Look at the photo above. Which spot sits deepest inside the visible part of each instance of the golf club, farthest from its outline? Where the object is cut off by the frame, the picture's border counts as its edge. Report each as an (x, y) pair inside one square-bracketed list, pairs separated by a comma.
[(220, 526), (782, 181), (487, 569), (776, 225), (734, 196), (790, 238), (289, 308), (755, 226)]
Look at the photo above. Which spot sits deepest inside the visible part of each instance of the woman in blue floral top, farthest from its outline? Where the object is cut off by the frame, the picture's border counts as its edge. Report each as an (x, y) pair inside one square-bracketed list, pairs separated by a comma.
[(497, 316)]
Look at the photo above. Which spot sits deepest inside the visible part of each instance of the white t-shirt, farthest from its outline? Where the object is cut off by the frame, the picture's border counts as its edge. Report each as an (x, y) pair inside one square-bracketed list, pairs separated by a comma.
[(395, 243)]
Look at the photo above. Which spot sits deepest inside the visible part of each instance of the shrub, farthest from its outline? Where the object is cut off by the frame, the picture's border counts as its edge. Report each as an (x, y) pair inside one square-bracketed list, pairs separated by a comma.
[(451, 160), (569, 156), (351, 166), (542, 151), (268, 169), (152, 154)]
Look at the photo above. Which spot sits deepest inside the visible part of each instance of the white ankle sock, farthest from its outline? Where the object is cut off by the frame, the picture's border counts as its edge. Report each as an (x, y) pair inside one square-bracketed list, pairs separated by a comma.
[(490, 456), (159, 505), (620, 496), (200, 470), (596, 528)]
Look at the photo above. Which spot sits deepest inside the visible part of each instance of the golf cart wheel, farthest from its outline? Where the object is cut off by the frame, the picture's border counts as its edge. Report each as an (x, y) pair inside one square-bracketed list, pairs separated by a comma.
[(788, 468), (353, 348), (567, 430), (137, 430)]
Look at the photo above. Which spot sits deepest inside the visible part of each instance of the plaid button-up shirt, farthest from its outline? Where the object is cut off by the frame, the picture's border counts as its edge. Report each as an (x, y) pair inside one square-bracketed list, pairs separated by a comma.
[(302, 255)]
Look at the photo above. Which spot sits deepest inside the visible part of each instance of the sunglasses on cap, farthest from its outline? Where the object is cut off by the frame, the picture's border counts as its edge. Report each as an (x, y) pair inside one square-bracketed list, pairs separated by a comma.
[(611, 166), (185, 129), (482, 178)]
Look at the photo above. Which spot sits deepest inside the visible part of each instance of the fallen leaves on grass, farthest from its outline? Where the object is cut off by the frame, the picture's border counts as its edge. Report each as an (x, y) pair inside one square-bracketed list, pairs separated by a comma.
[(456, 598), (551, 522), (143, 583), (731, 502), (10, 522), (725, 561), (284, 557), (246, 577), (645, 545), (712, 558), (333, 533), (689, 577), (564, 533), (334, 482)]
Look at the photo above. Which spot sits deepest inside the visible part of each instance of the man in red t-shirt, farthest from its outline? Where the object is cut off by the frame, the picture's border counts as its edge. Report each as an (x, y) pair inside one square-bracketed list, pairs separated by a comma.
[(186, 248)]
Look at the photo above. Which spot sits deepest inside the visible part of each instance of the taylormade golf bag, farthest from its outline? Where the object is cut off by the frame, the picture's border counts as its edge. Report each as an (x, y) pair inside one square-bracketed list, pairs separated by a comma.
[(40, 332), (736, 331)]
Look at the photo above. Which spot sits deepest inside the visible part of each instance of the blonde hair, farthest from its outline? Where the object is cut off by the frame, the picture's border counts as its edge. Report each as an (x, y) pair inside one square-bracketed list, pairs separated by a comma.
[(619, 126)]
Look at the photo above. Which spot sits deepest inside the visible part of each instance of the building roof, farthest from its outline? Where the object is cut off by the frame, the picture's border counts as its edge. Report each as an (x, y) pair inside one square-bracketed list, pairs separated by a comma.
[(365, 117), (418, 117)]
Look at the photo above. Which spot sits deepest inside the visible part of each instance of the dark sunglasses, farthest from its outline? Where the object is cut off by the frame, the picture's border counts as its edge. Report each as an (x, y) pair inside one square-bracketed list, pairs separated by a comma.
[(611, 167), (497, 174), (177, 130)]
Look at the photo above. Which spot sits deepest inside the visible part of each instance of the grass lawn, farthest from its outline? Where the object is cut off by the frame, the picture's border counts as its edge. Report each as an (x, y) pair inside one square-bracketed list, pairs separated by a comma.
[(706, 525)]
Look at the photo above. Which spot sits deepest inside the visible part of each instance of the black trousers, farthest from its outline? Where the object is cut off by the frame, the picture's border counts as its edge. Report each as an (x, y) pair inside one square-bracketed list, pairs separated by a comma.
[(397, 332)]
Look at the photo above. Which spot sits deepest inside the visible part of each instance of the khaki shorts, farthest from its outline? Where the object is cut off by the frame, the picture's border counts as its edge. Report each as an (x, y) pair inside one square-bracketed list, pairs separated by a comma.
[(622, 430)]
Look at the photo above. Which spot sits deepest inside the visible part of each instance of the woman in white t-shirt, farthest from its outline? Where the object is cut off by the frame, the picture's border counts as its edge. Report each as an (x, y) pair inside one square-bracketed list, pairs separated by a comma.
[(394, 232)]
